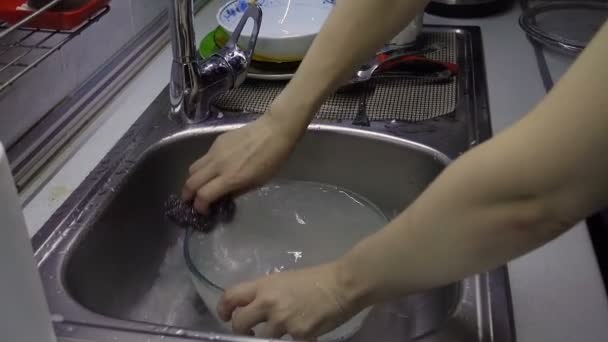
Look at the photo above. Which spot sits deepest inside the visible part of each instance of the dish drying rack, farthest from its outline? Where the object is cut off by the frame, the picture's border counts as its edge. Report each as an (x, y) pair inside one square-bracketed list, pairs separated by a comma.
[(22, 48)]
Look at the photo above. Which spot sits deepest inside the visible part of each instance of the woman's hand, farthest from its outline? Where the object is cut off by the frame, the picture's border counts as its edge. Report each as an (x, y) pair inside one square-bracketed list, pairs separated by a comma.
[(238, 161), (303, 304)]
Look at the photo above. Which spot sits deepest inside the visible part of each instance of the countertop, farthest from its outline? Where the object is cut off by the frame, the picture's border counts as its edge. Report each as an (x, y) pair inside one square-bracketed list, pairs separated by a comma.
[(557, 290)]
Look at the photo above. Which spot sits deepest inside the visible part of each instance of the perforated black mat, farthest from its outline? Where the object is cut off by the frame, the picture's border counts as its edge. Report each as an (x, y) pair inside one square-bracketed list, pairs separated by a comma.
[(387, 97)]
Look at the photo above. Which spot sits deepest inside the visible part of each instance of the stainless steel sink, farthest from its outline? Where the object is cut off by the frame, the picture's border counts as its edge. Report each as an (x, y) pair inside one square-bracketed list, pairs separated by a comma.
[(112, 265), (129, 264)]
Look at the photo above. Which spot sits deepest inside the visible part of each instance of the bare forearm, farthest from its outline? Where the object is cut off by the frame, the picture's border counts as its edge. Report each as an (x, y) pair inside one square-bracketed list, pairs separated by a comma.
[(354, 31), (446, 235), (502, 199)]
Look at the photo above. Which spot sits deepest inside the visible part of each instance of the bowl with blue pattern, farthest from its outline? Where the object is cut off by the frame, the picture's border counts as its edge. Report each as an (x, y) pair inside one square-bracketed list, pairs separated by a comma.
[(288, 26)]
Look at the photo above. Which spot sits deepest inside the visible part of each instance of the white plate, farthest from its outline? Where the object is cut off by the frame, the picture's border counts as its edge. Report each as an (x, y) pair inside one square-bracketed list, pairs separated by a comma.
[(272, 71), (269, 77), (288, 26)]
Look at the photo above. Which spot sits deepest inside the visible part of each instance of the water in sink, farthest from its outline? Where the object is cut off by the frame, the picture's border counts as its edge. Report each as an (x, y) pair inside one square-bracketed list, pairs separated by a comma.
[(284, 225)]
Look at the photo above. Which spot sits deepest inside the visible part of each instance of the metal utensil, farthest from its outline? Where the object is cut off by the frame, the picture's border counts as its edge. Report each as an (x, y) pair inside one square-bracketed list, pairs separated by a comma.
[(409, 50), (414, 64)]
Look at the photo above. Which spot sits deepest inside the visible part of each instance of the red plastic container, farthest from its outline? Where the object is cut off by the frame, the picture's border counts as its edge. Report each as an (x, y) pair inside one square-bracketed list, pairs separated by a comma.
[(12, 11)]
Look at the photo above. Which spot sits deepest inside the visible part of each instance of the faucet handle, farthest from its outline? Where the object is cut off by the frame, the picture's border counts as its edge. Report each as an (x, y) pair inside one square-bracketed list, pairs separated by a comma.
[(238, 59), (254, 12)]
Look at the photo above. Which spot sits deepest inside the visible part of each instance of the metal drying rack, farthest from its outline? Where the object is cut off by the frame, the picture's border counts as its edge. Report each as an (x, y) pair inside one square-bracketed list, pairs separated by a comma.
[(23, 48)]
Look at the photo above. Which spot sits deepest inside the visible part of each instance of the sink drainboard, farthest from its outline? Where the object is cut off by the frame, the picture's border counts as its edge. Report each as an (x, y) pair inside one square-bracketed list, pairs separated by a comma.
[(386, 97)]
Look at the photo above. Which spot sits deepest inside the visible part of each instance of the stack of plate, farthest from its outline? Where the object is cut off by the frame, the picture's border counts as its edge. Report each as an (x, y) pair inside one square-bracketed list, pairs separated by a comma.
[(287, 31)]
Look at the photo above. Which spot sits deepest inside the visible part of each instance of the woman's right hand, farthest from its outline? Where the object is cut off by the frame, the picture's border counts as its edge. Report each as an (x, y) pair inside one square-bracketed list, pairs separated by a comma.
[(238, 161), (303, 304)]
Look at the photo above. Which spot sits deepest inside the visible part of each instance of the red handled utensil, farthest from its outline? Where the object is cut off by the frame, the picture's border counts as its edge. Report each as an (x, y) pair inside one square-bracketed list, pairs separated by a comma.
[(405, 64)]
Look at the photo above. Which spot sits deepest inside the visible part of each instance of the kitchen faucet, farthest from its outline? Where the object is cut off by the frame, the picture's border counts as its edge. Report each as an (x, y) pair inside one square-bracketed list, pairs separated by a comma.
[(195, 82)]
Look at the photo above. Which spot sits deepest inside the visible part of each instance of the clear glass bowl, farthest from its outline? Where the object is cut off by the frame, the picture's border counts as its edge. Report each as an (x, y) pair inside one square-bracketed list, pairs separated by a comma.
[(285, 225), (567, 26)]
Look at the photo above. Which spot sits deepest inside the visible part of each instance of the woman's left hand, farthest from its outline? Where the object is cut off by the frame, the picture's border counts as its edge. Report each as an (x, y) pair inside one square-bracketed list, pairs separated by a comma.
[(303, 304)]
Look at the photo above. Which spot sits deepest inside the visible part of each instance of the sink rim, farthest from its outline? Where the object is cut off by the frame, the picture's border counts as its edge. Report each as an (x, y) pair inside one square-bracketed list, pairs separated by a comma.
[(467, 288), (315, 126), (71, 240)]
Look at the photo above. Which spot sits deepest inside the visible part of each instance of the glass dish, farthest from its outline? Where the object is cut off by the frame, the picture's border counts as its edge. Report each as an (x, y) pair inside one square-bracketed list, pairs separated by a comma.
[(285, 225), (567, 26)]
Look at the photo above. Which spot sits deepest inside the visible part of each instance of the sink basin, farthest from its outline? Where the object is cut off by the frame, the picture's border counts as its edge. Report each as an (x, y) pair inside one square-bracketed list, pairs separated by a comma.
[(129, 264), (112, 266)]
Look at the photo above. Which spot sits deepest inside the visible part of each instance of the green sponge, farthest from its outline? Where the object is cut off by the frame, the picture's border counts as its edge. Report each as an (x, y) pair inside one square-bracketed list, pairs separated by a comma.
[(213, 42)]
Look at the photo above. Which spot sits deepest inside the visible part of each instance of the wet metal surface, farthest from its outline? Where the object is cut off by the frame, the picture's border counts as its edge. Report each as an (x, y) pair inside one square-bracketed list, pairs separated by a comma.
[(111, 262)]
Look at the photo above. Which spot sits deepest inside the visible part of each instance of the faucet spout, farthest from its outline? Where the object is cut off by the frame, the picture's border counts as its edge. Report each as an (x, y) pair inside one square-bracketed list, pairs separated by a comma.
[(195, 82), (182, 30)]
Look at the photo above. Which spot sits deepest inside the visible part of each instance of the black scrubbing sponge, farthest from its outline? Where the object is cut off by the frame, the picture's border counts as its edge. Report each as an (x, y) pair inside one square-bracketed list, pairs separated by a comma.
[(183, 214)]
